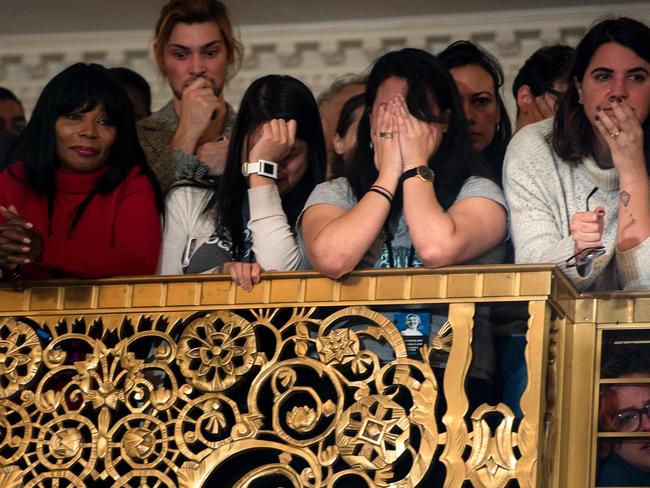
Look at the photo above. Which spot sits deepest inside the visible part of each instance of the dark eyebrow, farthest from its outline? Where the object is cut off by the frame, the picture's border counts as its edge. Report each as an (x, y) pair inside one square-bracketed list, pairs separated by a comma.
[(639, 68), (216, 42), (606, 70)]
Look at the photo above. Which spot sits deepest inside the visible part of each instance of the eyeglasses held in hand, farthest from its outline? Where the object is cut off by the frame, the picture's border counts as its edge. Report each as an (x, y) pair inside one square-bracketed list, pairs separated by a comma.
[(586, 255)]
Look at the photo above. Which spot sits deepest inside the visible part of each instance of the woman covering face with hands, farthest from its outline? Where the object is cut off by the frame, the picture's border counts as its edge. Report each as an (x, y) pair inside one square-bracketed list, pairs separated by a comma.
[(82, 202), (243, 224), (581, 200), (415, 194)]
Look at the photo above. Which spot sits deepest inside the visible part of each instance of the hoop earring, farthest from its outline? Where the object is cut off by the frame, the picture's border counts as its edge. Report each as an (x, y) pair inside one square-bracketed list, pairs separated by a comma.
[(580, 101), (371, 146)]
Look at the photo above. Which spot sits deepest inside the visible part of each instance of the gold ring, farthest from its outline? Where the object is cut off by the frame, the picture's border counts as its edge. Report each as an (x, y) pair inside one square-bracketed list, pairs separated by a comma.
[(387, 134), (614, 135)]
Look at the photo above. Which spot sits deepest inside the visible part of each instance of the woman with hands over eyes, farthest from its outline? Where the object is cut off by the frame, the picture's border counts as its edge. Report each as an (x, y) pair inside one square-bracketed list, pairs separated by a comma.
[(416, 193), (243, 223), (578, 190), (81, 202)]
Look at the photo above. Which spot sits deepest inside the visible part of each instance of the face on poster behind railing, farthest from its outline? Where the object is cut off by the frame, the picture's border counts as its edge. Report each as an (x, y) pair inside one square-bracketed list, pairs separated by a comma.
[(615, 72), (631, 407)]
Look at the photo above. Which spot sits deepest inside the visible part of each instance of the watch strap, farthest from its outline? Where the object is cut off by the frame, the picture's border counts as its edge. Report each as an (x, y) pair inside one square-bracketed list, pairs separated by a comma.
[(261, 167)]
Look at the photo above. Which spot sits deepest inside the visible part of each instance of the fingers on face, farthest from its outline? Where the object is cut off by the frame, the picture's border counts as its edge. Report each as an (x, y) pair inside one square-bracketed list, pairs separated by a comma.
[(626, 116), (606, 125)]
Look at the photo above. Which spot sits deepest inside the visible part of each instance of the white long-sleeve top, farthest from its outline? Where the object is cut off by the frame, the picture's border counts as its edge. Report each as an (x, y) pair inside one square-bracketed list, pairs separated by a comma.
[(188, 227)]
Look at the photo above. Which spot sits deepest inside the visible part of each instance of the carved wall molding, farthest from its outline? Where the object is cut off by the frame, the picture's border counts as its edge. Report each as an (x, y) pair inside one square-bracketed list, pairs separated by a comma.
[(316, 52)]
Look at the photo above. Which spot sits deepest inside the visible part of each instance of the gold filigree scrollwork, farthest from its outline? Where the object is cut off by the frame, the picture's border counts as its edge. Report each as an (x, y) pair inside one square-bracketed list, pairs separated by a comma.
[(20, 356), (217, 350), (492, 461), (373, 433), (175, 400)]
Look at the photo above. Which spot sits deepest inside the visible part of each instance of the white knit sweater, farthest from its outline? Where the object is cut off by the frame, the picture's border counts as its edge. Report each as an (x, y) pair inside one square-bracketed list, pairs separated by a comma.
[(543, 192)]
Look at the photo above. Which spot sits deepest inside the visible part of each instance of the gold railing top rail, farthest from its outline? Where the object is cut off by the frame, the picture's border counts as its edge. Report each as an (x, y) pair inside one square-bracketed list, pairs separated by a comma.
[(480, 283)]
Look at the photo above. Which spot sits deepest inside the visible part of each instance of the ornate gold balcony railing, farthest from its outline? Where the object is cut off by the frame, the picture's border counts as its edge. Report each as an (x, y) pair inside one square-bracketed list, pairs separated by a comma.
[(303, 382)]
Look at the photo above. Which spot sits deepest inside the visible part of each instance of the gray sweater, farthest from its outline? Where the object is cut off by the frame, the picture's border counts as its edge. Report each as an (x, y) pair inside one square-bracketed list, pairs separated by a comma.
[(543, 192)]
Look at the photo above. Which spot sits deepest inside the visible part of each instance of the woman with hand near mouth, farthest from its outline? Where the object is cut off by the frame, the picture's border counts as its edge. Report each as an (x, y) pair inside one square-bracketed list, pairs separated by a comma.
[(196, 49), (82, 201), (244, 223), (577, 187), (479, 78)]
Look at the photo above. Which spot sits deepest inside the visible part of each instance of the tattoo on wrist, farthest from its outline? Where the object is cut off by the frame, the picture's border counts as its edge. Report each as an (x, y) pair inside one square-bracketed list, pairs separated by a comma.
[(625, 200)]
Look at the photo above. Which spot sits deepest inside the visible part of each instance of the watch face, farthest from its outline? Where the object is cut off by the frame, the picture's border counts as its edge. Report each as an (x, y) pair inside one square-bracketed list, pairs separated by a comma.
[(425, 173)]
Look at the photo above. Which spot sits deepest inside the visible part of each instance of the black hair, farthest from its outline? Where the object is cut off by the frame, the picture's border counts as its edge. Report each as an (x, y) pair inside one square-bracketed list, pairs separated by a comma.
[(573, 135), (7, 94), (342, 127), (267, 98), (129, 78), (462, 53), (428, 81), (81, 87), (543, 68)]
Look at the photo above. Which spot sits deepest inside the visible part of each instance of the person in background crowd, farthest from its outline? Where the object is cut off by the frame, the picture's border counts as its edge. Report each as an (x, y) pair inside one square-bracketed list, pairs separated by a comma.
[(577, 187), (196, 50), (479, 78), (540, 82), (82, 201), (345, 136), (137, 89), (330, 103), (244, 224), (625, 408), (12, 114)]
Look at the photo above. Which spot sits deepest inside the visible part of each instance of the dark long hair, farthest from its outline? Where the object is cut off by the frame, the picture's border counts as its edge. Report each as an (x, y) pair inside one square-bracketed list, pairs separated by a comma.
[(81, 87), (346, 117), (269, 97), (573, 135), (462, 53), (427, 80)]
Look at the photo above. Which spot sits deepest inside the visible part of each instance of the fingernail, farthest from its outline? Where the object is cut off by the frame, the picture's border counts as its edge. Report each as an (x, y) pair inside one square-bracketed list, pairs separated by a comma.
[(27, 240), (611, 99), (25, 249), (598, 109), (27, 260)]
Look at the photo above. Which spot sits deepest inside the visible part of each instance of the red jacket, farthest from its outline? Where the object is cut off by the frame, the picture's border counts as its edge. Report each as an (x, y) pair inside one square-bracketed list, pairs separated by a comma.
[(117, 235)]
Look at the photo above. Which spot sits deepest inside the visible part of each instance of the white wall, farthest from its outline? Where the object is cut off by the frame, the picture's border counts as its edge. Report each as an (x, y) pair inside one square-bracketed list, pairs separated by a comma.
[(317, 53)]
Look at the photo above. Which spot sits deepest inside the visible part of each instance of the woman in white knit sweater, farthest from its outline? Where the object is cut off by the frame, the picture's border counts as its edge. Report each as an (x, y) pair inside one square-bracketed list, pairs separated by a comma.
[(244, 223), (577, 187)]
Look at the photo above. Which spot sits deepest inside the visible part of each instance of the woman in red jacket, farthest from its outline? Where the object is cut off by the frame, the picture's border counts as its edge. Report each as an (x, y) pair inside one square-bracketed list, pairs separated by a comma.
[(82, 201)]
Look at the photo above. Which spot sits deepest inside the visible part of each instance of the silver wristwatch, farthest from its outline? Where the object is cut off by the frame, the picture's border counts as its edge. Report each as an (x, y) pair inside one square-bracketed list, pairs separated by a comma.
[(262, 168)]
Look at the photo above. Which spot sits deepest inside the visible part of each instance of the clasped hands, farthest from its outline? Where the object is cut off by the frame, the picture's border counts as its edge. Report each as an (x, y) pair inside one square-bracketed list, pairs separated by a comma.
[(401, 140), (19, 242)]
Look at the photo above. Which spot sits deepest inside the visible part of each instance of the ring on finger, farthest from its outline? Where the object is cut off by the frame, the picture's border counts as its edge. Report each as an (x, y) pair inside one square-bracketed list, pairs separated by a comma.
[(614, 135), (386, 134)]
